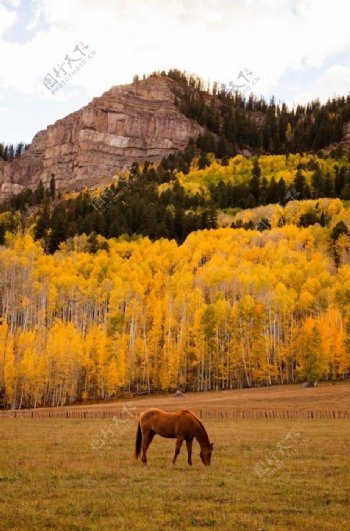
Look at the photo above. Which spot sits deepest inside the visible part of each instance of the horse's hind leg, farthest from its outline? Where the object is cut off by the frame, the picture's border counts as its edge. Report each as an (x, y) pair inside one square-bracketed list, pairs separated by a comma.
[(179, 442), (147, 437), (189, 450)]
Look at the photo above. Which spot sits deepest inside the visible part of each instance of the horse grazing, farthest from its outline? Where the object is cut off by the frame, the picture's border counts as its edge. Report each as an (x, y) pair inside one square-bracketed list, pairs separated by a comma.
[(181, 425)]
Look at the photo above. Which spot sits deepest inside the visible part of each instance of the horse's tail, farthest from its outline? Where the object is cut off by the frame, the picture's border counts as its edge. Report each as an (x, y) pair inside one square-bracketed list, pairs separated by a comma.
[(138, 441)]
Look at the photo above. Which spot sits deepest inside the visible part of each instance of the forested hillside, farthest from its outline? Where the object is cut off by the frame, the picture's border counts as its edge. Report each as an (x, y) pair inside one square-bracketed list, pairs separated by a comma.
[(185, 193), (234, 121), (210, 270)]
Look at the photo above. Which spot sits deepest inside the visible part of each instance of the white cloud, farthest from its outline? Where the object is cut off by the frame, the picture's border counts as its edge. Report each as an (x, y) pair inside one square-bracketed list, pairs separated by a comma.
[(335, 81), (13, 3), (215, 39), (4, 110), (7, 19), (34, 19)]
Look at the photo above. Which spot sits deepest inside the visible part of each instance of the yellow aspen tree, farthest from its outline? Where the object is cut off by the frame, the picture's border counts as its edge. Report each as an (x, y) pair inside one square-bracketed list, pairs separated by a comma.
[(10, 373), (311, 358)]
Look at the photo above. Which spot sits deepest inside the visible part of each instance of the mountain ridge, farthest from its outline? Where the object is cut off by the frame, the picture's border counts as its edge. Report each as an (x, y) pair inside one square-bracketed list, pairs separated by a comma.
[(158, 116)]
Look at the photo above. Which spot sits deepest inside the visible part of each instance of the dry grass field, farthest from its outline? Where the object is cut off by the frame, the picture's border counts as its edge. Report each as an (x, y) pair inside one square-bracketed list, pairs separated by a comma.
[(266, 474), (324, 396)]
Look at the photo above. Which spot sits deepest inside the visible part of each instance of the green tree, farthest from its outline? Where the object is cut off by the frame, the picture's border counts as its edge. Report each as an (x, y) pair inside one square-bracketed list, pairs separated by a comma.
[(39, 193), (339, 229), (328, 186), (42, 224), (301, 188), (203, 161), (256, 171), (59, 228), (2, 233), (317, 182), (52, 186)]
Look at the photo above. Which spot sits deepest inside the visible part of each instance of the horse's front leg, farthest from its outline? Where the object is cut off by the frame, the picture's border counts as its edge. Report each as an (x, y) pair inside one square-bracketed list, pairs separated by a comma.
[(179, 442), (189, 450)]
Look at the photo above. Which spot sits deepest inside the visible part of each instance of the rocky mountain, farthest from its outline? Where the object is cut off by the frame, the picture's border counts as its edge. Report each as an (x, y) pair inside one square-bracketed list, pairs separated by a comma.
[(135, 122), (152, 118)]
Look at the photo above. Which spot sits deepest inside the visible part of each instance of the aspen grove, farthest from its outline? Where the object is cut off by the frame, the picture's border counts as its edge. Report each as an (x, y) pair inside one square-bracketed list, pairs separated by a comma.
[(228, 308)]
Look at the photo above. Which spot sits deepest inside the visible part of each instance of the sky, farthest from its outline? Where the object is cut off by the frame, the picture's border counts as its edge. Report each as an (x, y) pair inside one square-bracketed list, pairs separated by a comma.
[(296, 50)]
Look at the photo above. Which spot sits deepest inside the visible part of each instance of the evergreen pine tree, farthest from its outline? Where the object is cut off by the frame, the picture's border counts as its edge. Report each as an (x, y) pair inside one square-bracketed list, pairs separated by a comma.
[(52, 186), (2, 233), (39, 193), (42, 224), (59, 228)]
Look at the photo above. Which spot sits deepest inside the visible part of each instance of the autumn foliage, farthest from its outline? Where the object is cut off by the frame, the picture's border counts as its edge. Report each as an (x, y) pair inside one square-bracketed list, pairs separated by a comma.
[(228, 308)]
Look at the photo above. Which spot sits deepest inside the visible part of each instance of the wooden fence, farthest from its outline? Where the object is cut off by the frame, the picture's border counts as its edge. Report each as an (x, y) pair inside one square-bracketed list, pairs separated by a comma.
[(205, 414), (274, 414)]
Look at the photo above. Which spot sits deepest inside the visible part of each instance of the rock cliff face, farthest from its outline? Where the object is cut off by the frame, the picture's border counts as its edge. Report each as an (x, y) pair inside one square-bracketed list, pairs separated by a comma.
[(346, 134), (136, 122), (344, 142)]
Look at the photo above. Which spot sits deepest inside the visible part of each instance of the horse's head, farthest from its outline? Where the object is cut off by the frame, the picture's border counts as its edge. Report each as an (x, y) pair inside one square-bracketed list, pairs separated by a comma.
[(205, 454)]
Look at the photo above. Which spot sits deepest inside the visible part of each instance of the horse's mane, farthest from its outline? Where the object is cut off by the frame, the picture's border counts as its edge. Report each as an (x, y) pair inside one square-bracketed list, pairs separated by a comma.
[(198, 420)]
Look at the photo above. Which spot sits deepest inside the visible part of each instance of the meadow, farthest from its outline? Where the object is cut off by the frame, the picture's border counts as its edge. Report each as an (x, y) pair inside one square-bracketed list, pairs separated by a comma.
[(265, 474)]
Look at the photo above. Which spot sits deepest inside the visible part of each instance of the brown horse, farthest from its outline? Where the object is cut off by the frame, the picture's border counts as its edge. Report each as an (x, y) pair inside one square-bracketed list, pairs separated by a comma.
[(181, 425)]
